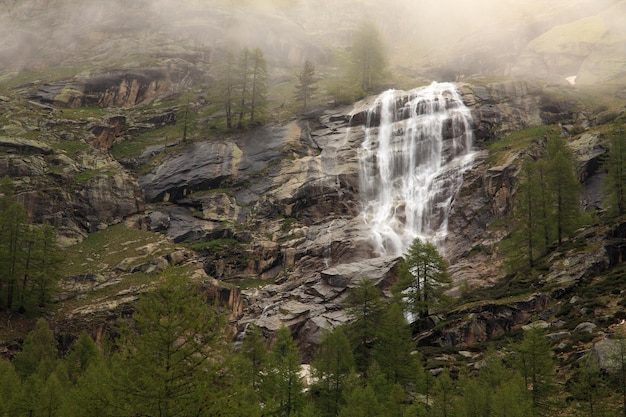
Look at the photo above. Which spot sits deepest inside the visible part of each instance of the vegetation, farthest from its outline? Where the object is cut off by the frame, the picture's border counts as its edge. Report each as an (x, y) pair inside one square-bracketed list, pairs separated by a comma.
[(29, 257), (615, 184), (368, 57), (424, 279), (306, 87), (546, 208)]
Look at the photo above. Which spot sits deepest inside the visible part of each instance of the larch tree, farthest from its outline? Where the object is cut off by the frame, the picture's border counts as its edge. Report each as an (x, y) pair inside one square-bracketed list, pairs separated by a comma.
[(424, 278), (615, 182), (258, 86), (306, 84), (564, 187), (535, 363), (333, 364), (365, 306), (284, 386), (164, 366), (394, 347), (227, 86), (243, 77), (368, 56)]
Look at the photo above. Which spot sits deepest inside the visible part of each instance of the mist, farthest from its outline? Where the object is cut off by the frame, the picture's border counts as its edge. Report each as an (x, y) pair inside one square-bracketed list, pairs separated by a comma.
[(458, 36)]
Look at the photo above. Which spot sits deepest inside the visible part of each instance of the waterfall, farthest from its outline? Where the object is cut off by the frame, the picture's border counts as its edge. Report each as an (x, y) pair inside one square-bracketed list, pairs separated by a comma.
[(412, 165)]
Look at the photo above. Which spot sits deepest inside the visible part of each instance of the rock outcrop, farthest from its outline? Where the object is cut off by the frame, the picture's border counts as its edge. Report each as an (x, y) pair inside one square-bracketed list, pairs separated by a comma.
[(294, 189)]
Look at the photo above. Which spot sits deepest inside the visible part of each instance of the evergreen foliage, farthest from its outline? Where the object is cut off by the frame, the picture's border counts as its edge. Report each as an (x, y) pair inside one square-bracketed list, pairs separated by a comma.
[(546, 209), (242, 86), (284, 382), (368, 57), (306, 88), (29, 257), (615, 182), (534, 360), (365, 306), (164, 366), (424, 278), (333, 364)]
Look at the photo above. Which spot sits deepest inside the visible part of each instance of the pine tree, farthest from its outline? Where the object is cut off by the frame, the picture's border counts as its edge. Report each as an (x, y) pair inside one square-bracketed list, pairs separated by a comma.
[(368, 56), (333, 364), (243, 83), (424, 278), (394, 347), (615, 182), (258, 95), (535, 363), (285, 386), (39, 352), (564, 187), (306, 84), (164, 365), (366, 308)]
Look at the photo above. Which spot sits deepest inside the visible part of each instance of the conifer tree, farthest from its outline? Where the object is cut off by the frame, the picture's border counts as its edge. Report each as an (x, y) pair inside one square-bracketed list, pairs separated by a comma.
[(366, 308), (535, 363), (333, 364), (285, 386), (243, 83), (39, 352), (564, 187), (394, 347), (424, 278), (164, 365), (306, 84), (528, 218), (227, 86), (615, 182), (255, 356), (589, 387), (444, 395), (368, 56), (258, 95), (83, 354), (9, 388)]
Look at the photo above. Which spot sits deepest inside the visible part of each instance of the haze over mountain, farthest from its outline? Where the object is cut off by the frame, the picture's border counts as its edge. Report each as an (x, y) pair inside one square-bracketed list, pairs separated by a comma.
[(437, 39)]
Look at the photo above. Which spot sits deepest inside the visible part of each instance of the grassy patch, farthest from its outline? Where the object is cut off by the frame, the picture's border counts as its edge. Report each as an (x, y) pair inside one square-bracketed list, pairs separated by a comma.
[(215, 245), (71, 147), (105, 249), (517, 141)]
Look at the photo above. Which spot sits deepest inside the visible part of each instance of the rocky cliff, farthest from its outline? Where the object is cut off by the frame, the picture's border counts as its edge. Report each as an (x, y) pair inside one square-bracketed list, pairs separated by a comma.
[(278, 208)]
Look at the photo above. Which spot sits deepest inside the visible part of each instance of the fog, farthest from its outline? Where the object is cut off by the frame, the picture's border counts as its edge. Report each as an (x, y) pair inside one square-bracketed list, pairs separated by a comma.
[(35, 34)]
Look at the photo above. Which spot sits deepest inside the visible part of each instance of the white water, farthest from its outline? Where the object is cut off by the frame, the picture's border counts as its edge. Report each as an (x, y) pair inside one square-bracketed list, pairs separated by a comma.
[(412, 165)]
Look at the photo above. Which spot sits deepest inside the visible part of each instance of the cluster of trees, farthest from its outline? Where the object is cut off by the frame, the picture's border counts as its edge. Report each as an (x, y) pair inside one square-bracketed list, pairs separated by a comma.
[(242, 87), (29, 257), (547, 205), (172, 359), (242, 79)]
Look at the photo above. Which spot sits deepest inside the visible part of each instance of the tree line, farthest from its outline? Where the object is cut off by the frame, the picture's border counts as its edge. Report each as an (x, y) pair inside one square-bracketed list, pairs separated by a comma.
[(242, 79), (172, 358), (547, 209)]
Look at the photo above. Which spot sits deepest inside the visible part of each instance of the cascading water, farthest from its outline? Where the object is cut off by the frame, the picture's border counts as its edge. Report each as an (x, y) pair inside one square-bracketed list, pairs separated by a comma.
[(412, 165)]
